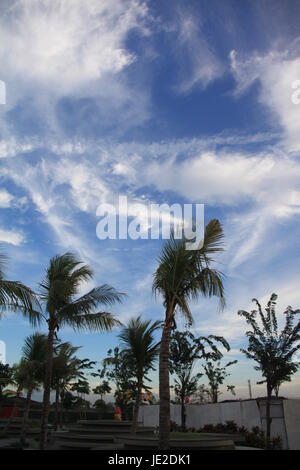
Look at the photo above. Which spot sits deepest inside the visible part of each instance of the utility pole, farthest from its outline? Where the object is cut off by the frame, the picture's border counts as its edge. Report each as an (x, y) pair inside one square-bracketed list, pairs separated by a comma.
[(250, 389)]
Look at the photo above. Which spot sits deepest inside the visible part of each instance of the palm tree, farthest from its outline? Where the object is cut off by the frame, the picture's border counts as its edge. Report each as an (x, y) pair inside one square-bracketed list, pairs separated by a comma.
[(15, 296), (138, 338), (66, 368), (182, 275), (63, 370), (59, 291), (34, 358)]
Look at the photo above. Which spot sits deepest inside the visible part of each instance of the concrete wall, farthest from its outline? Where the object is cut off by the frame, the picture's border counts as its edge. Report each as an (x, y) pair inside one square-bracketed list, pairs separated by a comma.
[(291, 410), (249, 413)]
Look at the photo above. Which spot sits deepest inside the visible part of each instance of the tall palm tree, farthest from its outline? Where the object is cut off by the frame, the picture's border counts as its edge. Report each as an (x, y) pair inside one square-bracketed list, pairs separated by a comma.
[(138, 338), (34, 359), (15, 296), (59, 291), (183, 275)]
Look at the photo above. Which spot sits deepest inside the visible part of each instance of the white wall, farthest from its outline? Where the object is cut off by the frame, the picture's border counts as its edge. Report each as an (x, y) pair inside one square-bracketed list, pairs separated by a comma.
[(292, 422), (249, 413)]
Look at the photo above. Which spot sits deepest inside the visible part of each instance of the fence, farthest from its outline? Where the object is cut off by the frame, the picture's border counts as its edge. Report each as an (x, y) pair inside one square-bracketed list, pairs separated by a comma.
[(285, 416)]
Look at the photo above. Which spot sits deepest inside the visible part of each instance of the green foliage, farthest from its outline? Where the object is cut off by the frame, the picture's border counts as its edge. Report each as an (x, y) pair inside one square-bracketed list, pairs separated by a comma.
[(59, 290), (6, 377), (216, 374), (140, 348), (34, 353), (253, 438), (102, 389), (104, 408), (271, 349), (119, 368), (68, 371), (183, 275), (17, 297), (185, 350)]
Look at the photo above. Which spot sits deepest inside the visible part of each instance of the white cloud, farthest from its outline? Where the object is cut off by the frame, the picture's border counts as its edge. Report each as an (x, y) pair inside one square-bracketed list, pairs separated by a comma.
[(276, 73), (198, 62), (86, 175), (11, 236), (65, 45), (5, 199), (73, 49), (10, 147)]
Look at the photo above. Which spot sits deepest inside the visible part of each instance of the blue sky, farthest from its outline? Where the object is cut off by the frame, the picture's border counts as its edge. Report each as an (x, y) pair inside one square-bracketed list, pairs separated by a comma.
[(187, 102)]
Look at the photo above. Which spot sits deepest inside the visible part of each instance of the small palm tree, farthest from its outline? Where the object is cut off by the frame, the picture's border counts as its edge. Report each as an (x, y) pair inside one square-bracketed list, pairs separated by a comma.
[(59, 291), (138, 339), (182, 275), (64, 369), (15, 296), (33, 359)]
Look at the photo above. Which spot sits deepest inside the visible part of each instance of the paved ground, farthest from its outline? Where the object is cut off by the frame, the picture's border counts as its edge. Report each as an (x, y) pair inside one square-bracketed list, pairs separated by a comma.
[(14, 442)]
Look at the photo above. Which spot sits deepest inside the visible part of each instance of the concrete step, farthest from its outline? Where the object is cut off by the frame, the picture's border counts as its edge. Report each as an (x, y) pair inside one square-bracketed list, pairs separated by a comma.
[(136, 443), (77, 445), (109, 447), (104, 423), (107, 430), (68, 436)]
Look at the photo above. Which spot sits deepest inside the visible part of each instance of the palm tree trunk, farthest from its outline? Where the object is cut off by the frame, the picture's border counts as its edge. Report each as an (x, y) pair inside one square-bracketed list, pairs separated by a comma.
[(56, 408), (61, 410), (47, 390), (268, 416), (25, 417), (164, 387), (137, 404)]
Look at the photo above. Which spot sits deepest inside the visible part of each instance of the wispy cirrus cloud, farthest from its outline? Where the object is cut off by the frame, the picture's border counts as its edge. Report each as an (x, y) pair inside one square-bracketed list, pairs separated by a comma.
[(11, 236), (276, 72), (198, 62), (73, 51)]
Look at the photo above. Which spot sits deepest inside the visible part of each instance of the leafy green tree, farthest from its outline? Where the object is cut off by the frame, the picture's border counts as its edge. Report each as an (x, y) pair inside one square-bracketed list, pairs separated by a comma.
[(202, 394), (141, 348), (273, 350), (18, 379), (185, 350), (104, 407), (16, 297), (59, 294), (118, 368), (102, 389), (216, 374), (6, 374), (181, 277)]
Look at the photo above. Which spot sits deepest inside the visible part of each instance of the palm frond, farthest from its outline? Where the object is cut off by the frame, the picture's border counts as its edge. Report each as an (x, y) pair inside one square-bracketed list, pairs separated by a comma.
[(15, 296), (100, 321)]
